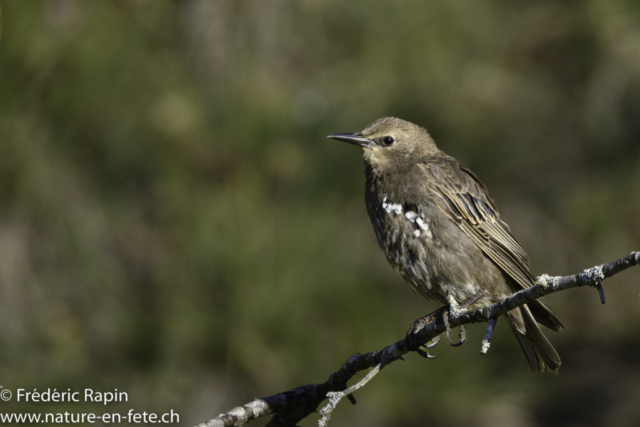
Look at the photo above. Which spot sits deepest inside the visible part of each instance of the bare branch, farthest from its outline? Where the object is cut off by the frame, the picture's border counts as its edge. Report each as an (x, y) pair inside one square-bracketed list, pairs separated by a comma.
[(336, 396), (292, 406)]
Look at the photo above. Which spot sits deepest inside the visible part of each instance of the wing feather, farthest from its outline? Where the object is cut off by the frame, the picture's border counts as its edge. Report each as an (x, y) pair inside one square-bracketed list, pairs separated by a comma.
[(465, 199), (462, 196)]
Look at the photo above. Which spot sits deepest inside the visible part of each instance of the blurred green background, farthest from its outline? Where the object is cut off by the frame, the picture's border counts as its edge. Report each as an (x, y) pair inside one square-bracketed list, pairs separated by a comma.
[(174, 224)]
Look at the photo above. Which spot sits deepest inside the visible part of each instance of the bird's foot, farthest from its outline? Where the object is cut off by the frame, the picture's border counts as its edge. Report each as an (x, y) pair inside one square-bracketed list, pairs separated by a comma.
[(453, 309), (425, 353), (419, 324), (447, 329), (486, 342), (416, 327)]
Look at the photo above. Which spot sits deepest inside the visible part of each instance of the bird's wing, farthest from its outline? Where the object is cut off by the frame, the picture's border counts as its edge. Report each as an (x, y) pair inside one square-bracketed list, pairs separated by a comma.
[(465, 199)]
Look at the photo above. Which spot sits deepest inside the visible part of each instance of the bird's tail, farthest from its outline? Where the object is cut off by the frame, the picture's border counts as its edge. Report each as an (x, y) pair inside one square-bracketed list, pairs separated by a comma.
[(539, 352)]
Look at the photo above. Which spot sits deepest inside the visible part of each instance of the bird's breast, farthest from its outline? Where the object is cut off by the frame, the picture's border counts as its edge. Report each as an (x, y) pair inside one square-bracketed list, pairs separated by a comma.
[(405, 233), (416, 223)]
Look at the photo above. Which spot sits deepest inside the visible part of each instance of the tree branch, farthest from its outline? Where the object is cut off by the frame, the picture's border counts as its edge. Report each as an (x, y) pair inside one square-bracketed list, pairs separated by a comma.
[(294, 405), (336, 396)]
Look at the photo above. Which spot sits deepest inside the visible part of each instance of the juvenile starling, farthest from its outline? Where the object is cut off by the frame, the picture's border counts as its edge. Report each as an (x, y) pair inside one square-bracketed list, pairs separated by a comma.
[(439, 228)]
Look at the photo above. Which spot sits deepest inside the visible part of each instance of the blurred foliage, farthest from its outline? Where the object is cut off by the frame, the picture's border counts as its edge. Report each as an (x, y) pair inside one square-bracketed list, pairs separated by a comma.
[(174, 224)]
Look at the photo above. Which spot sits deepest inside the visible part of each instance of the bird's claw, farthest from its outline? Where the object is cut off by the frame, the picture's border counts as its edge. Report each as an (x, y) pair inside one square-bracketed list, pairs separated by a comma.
[(434, 342), (447, 331), (425, 354), (414, 346), (419, 324), (455, 309), (416, 327)]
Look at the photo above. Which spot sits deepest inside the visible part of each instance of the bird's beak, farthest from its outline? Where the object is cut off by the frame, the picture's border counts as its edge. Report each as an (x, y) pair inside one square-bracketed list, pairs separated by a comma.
[(355, 138)]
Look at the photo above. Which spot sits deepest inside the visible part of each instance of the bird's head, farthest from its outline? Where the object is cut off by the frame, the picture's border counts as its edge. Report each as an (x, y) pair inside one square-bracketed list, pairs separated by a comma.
[(390, 143)]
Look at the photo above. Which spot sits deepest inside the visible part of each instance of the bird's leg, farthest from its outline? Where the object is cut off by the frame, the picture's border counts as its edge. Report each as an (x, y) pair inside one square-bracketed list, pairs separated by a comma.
[(447, 329), (443, 312), (454, 309), (486, 342), (416, 327)]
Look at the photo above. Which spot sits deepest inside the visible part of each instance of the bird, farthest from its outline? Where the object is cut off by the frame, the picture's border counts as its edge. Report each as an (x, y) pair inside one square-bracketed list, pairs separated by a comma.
[(440, 229)]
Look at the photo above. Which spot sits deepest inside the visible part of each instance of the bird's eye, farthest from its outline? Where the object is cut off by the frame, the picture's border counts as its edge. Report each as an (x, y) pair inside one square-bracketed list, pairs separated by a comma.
[(388, 140)]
